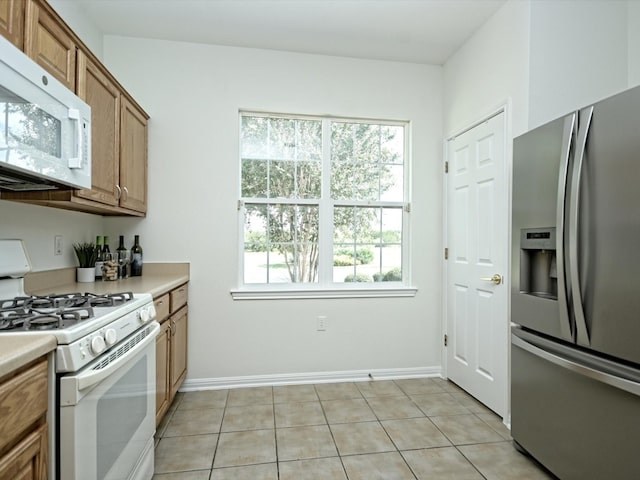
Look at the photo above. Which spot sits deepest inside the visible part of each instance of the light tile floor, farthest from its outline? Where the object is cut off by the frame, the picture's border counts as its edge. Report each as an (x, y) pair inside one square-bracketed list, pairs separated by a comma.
[(389, 430)]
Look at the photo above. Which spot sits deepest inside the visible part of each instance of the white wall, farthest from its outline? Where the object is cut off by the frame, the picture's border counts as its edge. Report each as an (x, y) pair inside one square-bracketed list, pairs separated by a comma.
[(633, 30), (490, 69), (578, 55), (88, 32), (37, 226), (193, 93)]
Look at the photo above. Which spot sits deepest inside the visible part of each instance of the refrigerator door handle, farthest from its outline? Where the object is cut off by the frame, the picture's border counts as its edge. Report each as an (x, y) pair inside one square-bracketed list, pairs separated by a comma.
[(567, 142), (600, 376), (582, 333)]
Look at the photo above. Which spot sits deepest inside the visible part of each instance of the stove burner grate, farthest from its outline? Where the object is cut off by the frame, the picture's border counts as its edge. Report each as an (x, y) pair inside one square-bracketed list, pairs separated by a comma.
[(56, 311), (44, 322)]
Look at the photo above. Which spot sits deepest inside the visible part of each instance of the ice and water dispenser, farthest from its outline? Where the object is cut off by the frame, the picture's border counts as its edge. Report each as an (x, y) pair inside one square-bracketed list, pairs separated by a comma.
[(538, 270)]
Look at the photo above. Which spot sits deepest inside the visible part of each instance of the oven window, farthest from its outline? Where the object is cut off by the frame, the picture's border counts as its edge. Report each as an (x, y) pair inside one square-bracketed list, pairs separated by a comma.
[(120, 412)]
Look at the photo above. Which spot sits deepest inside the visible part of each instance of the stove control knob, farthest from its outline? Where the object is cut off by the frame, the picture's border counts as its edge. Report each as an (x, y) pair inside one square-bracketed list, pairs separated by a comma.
[(110, 336), (97, 344), (144, 315)]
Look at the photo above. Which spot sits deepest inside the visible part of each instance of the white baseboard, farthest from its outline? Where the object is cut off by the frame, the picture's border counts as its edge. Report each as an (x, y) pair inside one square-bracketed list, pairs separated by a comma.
[(192, 385)]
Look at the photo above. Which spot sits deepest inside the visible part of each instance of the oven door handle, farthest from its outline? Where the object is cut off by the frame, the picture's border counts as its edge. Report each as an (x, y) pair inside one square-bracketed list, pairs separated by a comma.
[(92, 377), (72, 385)]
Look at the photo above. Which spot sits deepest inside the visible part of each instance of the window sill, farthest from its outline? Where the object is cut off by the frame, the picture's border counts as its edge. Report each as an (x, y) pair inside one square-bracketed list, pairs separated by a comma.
[(288, 294)]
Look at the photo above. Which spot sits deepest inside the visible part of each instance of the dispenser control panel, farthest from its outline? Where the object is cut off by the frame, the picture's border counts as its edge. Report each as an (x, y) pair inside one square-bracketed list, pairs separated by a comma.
[(538, 238)]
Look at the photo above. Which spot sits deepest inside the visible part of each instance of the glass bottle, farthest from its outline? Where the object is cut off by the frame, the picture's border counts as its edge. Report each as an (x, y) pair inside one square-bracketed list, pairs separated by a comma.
[(136, 257), (110, 262), (123, 259), (99, 260)]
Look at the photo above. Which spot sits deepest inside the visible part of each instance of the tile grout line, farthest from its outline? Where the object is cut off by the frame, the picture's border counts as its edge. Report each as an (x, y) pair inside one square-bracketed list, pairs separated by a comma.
[(215, 451), (333, 439)]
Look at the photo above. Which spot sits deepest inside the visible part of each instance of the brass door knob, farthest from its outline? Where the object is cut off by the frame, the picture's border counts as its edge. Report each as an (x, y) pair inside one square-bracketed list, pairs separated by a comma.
[(496, 279)]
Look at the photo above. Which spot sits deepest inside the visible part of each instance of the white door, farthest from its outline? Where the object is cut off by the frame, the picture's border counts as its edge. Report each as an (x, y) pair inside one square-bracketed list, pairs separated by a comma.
[(478, 251)]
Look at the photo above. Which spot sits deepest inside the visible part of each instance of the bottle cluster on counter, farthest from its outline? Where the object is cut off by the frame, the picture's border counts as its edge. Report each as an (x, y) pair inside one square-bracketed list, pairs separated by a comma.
[(120, 264)]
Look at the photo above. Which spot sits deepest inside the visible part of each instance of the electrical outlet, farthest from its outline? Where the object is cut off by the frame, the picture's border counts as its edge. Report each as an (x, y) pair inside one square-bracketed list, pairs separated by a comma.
[(57, 245), (322, 323)]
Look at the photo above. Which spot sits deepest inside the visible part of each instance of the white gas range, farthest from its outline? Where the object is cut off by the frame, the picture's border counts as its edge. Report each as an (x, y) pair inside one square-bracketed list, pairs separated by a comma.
[(104, 412)]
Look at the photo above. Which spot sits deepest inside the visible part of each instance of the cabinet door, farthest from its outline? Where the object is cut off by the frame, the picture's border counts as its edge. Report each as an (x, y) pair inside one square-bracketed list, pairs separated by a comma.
[(23, 401), (178, 350), (97, 89), (50, 45), (133, 157), (12, 21), (162, 370), (28, 459)]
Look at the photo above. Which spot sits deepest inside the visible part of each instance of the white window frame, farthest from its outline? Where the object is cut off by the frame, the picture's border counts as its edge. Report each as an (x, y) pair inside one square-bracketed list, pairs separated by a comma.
[(325, 287)]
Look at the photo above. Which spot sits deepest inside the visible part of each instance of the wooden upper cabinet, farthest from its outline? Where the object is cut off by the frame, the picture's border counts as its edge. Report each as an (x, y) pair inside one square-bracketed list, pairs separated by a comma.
[(49, 44), (133, 157), (119, 124), (12, 21), (96, 87)]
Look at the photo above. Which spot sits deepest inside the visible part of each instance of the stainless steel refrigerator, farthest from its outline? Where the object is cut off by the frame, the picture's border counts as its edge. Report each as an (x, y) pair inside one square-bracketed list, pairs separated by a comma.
[(575, 300)]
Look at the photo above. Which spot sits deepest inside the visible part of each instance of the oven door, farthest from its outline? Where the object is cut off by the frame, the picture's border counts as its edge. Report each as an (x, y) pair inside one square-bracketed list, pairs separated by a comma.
[(107, 413)]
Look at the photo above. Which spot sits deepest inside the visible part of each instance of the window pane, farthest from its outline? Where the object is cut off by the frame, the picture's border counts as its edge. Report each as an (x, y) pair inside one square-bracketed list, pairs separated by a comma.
[(343, 220), (309, 140), (254, 178), (391, 183), (367, 244), (355, 181), (392, 144), (254, 137), (341, 142), (281, 223), (282, 138), (391, 229), (367, 162), (281, 179), (281, 259), (255, 263), (354, 253), (309, 179), (281, 157), (281, 243)]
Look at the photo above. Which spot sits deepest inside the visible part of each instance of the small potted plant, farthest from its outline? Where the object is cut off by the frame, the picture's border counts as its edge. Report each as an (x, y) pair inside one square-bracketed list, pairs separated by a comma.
[(87, 254)]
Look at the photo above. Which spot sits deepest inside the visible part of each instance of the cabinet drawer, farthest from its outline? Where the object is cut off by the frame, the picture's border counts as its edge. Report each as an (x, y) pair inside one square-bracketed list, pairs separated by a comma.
[(162, 307), (23, 400), (178, 297)]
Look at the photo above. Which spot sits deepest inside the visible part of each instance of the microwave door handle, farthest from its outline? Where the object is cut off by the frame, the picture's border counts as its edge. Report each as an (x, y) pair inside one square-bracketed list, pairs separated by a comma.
[(76, 162)]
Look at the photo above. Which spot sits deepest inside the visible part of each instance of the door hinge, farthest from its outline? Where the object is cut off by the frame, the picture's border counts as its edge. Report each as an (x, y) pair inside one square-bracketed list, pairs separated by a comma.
[(446, 254), (446, 339), (446, 167)]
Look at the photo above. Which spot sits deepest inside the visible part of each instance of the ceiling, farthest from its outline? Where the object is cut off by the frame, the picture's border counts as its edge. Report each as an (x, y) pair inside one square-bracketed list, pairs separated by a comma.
[(418, 31)]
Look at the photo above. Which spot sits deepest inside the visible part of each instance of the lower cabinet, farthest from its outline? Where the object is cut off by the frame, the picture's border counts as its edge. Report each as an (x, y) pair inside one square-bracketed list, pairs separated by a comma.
[(178, 350), (28, 459), (23, 428), (171, 347), (163, 354)]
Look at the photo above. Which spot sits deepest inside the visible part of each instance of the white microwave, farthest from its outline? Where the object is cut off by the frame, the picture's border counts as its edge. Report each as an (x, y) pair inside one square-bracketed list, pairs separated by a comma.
[(45, 129)]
